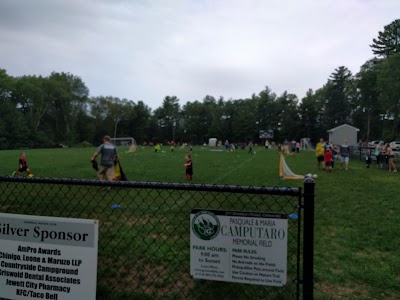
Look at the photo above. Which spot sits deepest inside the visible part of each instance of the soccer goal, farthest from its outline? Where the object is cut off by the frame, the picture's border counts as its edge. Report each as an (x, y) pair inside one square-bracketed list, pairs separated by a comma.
[(306, 144), (285, 172), (129, 142)]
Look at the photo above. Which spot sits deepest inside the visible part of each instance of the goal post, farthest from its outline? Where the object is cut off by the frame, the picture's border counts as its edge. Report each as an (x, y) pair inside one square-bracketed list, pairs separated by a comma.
[(306, 144), (129, 142), (285, 172)]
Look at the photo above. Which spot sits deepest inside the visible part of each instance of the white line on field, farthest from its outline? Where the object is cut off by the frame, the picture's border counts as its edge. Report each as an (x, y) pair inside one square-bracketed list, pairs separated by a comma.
[(235, 169)]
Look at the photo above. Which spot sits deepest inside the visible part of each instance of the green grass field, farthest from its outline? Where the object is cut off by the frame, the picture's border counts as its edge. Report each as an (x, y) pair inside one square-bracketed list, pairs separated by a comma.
[(356, 217)]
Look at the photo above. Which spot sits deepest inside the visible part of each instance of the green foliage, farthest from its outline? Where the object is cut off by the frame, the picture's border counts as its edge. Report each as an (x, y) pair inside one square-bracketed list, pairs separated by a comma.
[(40, 111), (340, 96), (85, 144), (388, 41), (389, 87)]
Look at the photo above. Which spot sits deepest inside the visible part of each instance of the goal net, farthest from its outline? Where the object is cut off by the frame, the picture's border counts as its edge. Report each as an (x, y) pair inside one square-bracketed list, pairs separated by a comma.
[(285, 172), (306, 144), (128, 142)]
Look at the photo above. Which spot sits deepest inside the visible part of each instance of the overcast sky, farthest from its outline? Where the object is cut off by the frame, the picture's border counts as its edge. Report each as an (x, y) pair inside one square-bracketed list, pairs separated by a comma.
[(145, 50)]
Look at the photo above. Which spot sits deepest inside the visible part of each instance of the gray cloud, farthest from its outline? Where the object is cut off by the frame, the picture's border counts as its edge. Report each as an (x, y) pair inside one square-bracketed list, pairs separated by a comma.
[(148, 49)]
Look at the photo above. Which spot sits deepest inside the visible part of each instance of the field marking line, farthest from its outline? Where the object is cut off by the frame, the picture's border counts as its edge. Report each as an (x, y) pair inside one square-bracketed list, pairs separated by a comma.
[(234, 169)]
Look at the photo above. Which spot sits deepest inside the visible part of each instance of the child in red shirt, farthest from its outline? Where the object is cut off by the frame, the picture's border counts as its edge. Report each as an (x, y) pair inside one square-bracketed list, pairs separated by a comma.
[(328, 160), (23, 166), (189, 168)]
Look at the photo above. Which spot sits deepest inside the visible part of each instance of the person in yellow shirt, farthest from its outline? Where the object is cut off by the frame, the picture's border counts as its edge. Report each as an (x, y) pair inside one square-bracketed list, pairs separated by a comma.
[(319, 152)]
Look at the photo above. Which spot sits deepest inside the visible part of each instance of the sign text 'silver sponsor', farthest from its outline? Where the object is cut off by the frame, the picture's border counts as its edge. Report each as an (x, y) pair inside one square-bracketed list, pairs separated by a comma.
[(47, 258)]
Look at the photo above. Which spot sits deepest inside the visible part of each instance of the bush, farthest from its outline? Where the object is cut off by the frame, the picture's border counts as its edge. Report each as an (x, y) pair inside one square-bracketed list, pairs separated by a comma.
[(85, 144)]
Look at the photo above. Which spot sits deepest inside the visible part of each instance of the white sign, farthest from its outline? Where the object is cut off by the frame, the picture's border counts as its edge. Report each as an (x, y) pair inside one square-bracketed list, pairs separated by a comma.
[(243, 247), (47, 258)]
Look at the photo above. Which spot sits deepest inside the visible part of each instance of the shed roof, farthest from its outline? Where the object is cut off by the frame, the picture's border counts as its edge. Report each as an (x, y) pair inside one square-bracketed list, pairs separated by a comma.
[(343, 125)]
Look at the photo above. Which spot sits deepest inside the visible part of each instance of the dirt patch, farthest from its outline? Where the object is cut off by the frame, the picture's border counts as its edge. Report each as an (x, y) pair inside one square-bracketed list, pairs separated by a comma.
[(143, 220), (336, 271), (135, 221), (336, 292), (153, 280)]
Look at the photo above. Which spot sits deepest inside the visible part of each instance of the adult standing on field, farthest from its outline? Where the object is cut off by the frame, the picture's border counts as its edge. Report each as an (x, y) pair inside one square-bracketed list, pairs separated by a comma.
[(320, 152), (108, 154), (390, 154), (250, 147), (293, 143), (344, 155), (379, 154)]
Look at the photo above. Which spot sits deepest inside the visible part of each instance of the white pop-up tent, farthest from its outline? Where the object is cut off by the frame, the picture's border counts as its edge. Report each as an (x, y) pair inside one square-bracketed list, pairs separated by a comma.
[(212, 142)]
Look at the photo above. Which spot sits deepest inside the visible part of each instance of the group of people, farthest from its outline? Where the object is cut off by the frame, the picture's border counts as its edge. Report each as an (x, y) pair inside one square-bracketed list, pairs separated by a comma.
[(384, 157), (292, 147), (232, 147), (327, 153)]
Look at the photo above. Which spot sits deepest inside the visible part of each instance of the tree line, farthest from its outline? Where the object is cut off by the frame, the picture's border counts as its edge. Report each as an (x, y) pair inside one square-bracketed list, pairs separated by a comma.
[(38, 111)]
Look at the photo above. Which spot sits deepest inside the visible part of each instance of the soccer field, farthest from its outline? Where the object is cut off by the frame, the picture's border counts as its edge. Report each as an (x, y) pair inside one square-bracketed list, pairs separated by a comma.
[(356, 217)]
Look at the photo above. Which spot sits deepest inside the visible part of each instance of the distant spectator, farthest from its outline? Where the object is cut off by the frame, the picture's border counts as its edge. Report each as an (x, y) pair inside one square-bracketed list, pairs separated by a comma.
[(298, 145), (379, 155), (344, 155), (334, 151), (250, 147), (390, 154), (368, 158), (319, 152), (293, 143), (226, 144)]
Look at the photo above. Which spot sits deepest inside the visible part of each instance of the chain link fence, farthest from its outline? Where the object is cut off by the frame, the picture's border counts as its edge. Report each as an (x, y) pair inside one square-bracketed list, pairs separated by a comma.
[(144, 231)]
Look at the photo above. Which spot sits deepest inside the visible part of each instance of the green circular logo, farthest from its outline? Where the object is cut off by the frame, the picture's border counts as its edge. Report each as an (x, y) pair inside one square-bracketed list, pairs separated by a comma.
[(205, 225)]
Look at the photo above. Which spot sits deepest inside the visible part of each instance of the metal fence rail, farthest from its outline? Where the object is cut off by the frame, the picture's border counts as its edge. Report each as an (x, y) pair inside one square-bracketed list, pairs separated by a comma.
[(144, 245)]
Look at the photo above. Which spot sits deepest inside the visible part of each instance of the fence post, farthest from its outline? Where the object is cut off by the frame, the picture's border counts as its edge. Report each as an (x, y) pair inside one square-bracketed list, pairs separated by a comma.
[(308, 239)]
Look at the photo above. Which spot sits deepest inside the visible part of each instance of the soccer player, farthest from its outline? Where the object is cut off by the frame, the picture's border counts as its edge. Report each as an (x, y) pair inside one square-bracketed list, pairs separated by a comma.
[(344, 155), (108, 154), (23, 166), (319, 152), (189, 167), (328, 159), (250, 147)]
